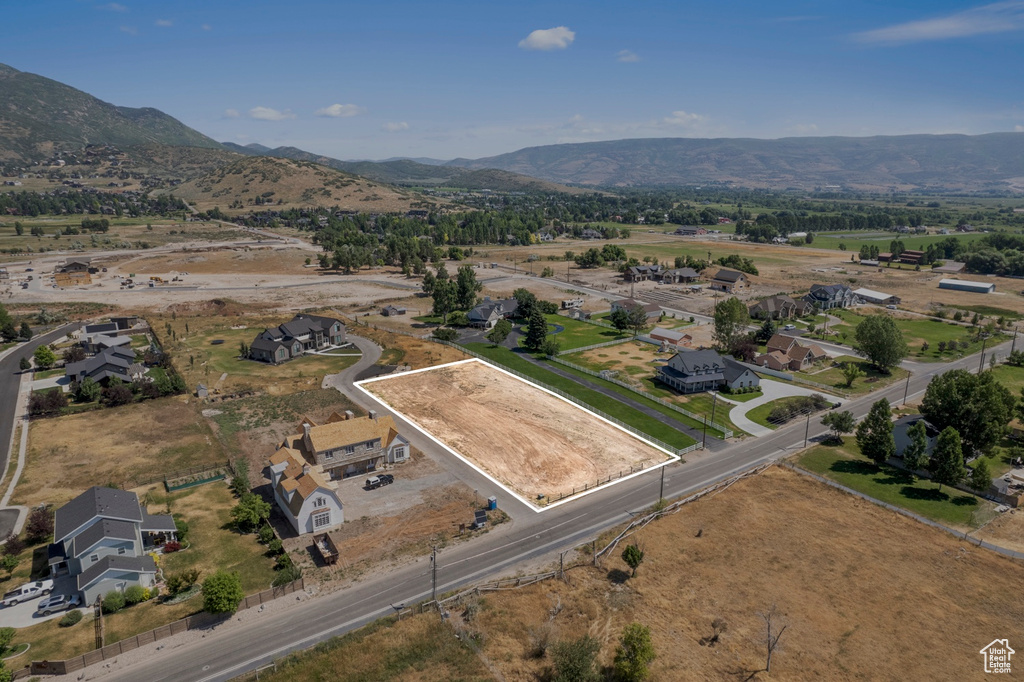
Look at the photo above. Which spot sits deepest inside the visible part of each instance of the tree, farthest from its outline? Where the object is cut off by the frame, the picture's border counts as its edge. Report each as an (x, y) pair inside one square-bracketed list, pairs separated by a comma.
[(851, 373), (39, 525), (500, 332), (222, 592), (240, 481), (947, 465), (444, 298), (74, 354), (767, 331), (981, 477), (551, 346), (634, 654), (636, 316), (24, 364), (466, 288), (536, 331), (525, 301), (633, 556), (880, 341), (619, 319), (116, 393), (25, 332), (113, 601), (731, 320), (976, 405), (574, 660), (773, 633), (915, 455), (840, 423), (874, 434), (428, 283), (250, 512), (445, 334), (44, 357), (87, 390)]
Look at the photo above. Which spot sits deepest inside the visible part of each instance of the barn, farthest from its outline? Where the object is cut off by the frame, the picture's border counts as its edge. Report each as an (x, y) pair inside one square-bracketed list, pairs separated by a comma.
[(965, 285)]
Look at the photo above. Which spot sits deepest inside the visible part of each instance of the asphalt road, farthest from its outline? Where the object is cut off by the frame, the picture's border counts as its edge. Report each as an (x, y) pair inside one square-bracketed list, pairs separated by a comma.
[(228, 651)]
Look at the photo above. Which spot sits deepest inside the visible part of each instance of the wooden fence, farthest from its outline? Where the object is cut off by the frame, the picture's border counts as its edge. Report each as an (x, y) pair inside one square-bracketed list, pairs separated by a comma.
[(200, 620)]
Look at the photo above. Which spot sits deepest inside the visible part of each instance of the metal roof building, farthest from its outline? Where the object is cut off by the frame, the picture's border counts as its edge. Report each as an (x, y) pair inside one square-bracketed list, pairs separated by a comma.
[(964, 285)]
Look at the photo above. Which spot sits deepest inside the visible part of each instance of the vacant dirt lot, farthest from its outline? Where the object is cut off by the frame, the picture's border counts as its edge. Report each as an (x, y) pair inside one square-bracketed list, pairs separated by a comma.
[(860, 588), (529, 440)]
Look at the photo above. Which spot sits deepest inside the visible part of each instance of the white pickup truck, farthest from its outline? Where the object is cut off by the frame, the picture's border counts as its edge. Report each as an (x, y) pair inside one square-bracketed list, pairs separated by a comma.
[(26, 592)]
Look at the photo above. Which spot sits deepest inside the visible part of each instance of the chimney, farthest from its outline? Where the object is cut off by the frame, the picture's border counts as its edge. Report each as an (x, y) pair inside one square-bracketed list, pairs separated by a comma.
[(348, 415), (305, 429), (306, 469), (373, 415)]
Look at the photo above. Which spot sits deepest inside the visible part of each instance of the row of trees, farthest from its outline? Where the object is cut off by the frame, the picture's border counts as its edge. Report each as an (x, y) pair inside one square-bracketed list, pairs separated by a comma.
[(10, 331)]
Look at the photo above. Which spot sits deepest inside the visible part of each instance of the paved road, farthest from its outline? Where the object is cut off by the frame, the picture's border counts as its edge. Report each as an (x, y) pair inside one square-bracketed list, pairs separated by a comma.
[(771, 390), (232, 649)]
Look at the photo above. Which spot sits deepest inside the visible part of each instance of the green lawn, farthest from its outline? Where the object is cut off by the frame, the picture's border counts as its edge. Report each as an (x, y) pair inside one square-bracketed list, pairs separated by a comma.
[(872, 379), (638, 420), (47, 373), (844, 464), (919, 331), (578, 334), (140, 341), (824, 240), (1011, 377), (741, 397), (759, 415)]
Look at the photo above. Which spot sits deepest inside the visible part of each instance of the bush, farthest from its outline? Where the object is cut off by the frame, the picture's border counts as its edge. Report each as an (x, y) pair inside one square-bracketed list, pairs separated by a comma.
[(181, 526), (283, 562), (179, 582), (39, 526), (14, 546), (222, 592), (797, 406), (172, 547), (113, 602), (154, 592), (9, 563), (136, 594), (287, 575), (265, 534), (275, 546), (70, 618)]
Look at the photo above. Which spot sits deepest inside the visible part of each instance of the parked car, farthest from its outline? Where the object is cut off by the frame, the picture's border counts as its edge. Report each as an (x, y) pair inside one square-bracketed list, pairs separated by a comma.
[(374, 482), (26, 592), (789, 327), (59, 602)]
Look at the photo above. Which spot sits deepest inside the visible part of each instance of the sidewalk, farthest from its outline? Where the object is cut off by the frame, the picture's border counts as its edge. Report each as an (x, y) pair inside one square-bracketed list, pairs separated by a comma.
[(771, 390)]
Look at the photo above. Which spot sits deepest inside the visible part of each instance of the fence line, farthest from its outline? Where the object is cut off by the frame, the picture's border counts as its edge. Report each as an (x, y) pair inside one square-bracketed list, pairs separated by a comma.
[(187, 472), (603, 344), (726, 433), (795, 378), (574, 400), (199, 620)]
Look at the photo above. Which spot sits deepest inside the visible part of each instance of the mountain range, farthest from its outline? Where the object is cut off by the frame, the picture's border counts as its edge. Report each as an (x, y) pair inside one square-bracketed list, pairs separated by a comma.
[(40, 117)]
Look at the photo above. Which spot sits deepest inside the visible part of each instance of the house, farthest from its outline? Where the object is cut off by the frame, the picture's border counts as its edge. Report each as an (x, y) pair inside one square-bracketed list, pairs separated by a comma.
[(679, 276), (900, 433), (673, 337), (965, 285), (94, 343), (877, 297), (304, 333), (691, 230), (100, 328), (125, 322), (652, 310), (695, 371), (786, 353), (829, 296), (729, 280), (303, 494), (349, 446), (780, 307), (642, 273), (391, 311), (77, 265), (101, 539), (488, 313), (113, 362), (592, 234)]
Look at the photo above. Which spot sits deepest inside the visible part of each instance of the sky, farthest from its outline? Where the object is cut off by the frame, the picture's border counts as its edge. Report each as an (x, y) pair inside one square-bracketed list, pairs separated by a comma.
[(446, 79)]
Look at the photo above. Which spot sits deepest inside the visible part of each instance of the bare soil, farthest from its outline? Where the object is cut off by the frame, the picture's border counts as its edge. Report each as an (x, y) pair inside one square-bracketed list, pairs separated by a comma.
[(1006, 530), (526, 438)]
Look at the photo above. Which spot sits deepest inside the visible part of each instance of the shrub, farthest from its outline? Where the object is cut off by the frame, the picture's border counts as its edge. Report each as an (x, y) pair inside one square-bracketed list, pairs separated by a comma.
[(154, 592), (287, 575), (275, 546), (14, 545), (282, 562), (39, 526), (70, 618), (9, 563), (265, 534), (179, 582), (135, 594), (113, 602), (181, 526), (171, 547), (222, 592)]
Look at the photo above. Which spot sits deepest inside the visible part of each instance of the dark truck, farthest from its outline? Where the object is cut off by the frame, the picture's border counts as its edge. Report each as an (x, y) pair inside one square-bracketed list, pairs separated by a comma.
[(378, 481)]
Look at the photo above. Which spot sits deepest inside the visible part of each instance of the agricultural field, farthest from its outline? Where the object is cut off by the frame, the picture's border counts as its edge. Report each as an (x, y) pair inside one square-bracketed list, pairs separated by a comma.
[(535, 443), (868, 588)]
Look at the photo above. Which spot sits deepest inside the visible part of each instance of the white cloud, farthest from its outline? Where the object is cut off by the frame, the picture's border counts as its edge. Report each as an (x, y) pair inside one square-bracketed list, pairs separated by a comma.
[(231, 113), (1018, 129), (268, 114), (339, 111), (206, 27), (683, 118), (395, 127), (130, 30), (164, 22), (113, 7), (627, 56), (998, 17), (557, 38)]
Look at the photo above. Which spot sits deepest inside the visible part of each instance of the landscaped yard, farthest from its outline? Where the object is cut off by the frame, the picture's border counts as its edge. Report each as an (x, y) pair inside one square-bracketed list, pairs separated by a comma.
[(918, 331), (506, 358), (577, 334), (1011, 377), (870, 381), (844, 464), (759, 414)]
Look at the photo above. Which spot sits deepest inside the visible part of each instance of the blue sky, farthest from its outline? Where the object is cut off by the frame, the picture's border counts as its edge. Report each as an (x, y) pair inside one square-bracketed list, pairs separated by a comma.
[(446, 79)]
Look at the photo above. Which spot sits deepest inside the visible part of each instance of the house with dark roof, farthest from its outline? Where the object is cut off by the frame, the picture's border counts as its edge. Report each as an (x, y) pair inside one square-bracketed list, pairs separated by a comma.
[(829, 296), (786, 353), (696, 371), (691, 230), (117, 361), (729, 280), (302, 334), (679, 276), (780, 307), (102, 539), (652, 310), (901, 433), (487, 314), (642, 273), (94, 343)]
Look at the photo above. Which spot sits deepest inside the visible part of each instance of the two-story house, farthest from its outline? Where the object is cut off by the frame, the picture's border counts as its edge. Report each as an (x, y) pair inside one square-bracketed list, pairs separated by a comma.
[(101, 539), (302, 492), (348, 446), (301, 334), (779, 307), (829, 296), (705, 370), (729, 280)]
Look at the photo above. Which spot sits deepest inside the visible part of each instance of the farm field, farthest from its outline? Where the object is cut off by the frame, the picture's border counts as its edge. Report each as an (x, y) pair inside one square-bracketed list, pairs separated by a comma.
[(853, 241), (857, 586), (535, 443)]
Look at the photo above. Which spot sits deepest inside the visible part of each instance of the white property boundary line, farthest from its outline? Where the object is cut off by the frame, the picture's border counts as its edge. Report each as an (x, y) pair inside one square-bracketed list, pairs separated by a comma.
[(671, 456)]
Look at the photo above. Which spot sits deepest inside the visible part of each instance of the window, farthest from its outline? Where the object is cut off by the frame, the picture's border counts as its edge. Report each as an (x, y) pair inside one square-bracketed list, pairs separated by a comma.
[(94, 557), (349, 449), (329, 455), (122, 550), (321, 520), (400, 452), (319, 502)]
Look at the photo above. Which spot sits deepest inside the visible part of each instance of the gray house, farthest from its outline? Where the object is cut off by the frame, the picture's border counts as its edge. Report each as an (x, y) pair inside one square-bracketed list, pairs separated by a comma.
[(302, 334), (901, 428), (118, 361), (829, 296), (705, 370), (488, 313), (101, 539)]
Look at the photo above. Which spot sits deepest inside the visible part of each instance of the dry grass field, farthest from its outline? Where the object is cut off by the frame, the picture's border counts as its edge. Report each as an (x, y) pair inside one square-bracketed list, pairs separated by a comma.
[(529, 440), (121, 446), (242, 260), (406, 350)]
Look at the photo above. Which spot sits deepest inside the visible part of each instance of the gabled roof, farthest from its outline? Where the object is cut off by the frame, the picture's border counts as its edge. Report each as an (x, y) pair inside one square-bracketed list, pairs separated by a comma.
[(158, 523), (265, 344), (92, 365), (699, 360), (299, 479), (115, 562), (352, 431), (673, 335), (727, 275), (733, 369), (682, 272), (105, 529), (780, 342), (107, 503), (830, 290)]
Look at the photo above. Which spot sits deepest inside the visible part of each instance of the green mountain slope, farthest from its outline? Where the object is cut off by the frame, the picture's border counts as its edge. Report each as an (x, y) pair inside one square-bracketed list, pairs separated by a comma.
[(39, 115)]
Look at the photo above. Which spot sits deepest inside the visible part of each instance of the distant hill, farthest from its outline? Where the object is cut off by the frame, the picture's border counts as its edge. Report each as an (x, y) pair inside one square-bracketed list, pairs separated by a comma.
[(297, 184), (943, 162), (39, 116)]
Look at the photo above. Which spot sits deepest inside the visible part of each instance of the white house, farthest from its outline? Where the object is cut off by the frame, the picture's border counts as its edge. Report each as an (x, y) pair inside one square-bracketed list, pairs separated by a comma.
[(303, 495)]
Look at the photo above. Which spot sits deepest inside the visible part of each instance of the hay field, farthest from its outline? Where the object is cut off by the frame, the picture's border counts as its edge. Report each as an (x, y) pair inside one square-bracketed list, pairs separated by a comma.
[(529, 440)]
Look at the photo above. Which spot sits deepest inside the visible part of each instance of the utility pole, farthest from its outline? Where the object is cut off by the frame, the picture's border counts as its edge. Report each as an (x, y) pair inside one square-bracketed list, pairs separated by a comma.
[(661, 493), (704, 442), (807, 429), (433, 574), (981, 363), (906, 389)]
